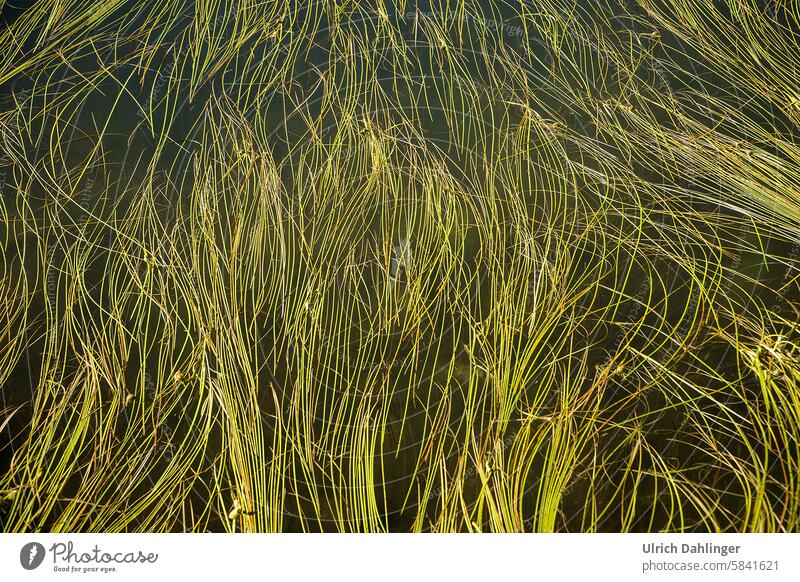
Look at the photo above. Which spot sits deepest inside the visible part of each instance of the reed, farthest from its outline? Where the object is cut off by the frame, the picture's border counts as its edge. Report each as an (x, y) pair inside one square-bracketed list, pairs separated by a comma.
[(319, 267)]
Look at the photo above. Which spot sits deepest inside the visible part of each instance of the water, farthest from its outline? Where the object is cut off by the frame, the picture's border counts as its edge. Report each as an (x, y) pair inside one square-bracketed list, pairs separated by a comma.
[(367, 336)]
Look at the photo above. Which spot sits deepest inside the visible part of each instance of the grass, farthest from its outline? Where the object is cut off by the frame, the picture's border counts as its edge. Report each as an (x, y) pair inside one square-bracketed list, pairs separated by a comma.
[(484, 267)]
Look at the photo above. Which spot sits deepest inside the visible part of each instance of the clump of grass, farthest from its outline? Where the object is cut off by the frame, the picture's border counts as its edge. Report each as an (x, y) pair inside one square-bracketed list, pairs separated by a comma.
[(320, 268)]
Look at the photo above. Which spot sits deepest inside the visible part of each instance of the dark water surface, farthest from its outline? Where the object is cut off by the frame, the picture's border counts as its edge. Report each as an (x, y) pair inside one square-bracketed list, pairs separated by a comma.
[(110, 187)]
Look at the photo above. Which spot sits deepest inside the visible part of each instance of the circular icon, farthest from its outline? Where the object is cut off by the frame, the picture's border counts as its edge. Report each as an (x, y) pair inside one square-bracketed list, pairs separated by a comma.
[(31, 555)]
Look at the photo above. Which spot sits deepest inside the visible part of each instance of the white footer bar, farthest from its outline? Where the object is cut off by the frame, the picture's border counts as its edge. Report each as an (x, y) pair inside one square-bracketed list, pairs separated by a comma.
[(119, 557)]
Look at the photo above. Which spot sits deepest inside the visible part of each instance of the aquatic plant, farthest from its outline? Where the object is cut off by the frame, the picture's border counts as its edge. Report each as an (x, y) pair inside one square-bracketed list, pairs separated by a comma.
[(323, 266)]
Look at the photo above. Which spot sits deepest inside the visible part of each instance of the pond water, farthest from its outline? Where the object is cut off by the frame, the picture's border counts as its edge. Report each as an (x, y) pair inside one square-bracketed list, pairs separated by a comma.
[(386, 241)]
